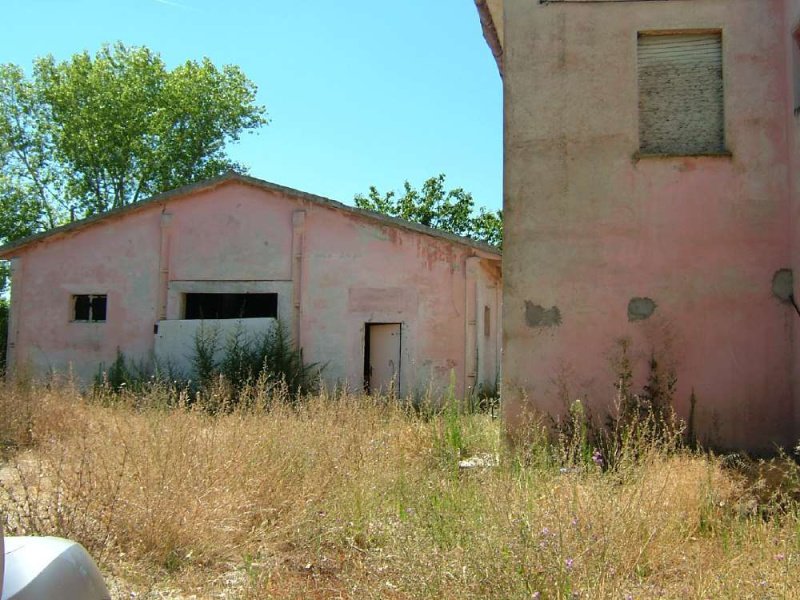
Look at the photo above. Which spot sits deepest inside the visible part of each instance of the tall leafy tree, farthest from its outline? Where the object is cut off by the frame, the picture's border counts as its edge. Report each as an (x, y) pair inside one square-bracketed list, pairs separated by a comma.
[(94, 133), (434, 206)]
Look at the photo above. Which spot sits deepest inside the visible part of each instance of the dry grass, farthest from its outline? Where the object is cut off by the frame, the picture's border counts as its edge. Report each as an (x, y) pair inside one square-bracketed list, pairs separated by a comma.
[(347, 497)]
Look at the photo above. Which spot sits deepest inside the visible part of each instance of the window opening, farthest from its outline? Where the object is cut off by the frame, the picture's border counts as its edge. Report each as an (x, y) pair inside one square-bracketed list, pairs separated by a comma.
[(487, 323), (231, 306), (681, 100), (89, 308)]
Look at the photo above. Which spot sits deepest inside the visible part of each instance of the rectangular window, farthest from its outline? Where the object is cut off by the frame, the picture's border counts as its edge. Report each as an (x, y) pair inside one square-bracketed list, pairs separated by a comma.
[(487, 321), (681, 108), (231, 306), (89, 308)]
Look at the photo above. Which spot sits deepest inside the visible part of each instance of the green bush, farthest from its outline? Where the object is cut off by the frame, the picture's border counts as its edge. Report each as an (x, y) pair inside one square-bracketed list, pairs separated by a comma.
[(266, 360)]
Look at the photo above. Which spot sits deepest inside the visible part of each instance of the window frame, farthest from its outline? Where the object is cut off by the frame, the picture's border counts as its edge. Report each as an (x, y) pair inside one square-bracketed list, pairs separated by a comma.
[(91, 297), (185, 310)]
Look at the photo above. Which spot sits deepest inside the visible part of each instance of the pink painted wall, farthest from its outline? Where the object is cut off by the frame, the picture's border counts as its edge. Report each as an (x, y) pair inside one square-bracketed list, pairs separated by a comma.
[(41, 336), (792, 74), (239, 237), (589, 227), (426, 291)]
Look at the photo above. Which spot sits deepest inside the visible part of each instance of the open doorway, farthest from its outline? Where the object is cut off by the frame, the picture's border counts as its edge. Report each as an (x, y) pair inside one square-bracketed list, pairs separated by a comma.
[(382, 351)]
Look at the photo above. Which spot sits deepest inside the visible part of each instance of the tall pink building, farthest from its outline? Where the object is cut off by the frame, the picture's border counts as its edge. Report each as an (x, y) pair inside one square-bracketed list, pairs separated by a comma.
[(651, 194)]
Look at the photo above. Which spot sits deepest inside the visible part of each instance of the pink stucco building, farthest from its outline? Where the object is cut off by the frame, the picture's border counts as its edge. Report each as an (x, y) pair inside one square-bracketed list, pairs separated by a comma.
[(651, 193), (376, 299)]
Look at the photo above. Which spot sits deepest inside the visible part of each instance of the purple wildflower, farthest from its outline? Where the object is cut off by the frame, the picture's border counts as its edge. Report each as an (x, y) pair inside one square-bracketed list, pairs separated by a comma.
[(568, 563), (597, 458)]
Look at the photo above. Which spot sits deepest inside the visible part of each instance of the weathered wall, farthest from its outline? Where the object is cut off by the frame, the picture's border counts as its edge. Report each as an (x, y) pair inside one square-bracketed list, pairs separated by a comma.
[(119, 259), (355, 272), (792, 73), (336, 270), (589, 227), (496, 10)]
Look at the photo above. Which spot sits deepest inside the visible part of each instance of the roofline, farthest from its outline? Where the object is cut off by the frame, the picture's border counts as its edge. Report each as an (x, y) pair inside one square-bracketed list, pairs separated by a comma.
[(490, 32), (7, 250)]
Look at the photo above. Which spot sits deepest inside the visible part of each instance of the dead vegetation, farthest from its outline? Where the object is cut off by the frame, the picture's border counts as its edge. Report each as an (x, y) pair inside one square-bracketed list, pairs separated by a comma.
[(350, 497)]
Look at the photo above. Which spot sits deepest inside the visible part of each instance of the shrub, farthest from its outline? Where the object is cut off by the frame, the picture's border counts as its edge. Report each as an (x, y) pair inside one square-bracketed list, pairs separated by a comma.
[(221, 376)]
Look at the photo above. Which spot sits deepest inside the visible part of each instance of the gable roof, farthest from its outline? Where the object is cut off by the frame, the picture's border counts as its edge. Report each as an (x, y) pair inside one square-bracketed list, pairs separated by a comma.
[(8, 250), (490, 32)]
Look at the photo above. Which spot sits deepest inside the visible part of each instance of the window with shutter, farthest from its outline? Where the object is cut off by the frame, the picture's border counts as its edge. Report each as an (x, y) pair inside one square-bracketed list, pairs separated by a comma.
[(681, 107)]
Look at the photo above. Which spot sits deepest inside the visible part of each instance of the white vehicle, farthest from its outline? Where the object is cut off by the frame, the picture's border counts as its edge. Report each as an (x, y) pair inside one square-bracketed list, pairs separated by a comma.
[(48, 568)]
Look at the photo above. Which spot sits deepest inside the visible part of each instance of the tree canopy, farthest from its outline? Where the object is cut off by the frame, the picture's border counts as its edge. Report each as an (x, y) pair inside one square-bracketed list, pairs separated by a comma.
[(94, 133), (434, 206)]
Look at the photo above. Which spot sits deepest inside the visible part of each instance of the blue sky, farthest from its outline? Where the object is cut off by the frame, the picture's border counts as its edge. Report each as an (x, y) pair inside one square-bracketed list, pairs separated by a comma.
[(358, 92)]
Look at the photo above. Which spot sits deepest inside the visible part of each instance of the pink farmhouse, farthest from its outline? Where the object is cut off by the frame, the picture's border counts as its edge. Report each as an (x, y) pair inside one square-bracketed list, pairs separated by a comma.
[(651, 194), (378, 301)]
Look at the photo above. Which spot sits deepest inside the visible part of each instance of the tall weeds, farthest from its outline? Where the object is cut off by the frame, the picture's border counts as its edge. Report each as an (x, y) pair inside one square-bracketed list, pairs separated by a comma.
[(359, 497), (228, 367)]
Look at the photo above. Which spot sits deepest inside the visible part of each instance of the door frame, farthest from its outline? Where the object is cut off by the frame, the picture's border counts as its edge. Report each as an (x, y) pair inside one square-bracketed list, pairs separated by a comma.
[(366, 346)]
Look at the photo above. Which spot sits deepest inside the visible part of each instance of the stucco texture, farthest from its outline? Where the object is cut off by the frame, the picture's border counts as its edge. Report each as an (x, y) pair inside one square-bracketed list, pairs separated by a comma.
[(593, 229)]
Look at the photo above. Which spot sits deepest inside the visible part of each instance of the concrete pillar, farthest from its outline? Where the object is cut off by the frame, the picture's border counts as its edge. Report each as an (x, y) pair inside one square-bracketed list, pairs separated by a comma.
[(163, 266), (298, 244), (471, 316), (14, 317)]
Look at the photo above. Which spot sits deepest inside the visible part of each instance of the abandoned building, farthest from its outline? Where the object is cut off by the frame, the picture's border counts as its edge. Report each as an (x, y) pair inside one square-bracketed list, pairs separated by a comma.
[(379, 301), (651, 194)]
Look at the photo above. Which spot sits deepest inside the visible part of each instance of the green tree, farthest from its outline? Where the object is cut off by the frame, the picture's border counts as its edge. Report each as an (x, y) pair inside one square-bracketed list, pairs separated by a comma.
[(95, 133), (434, 206)]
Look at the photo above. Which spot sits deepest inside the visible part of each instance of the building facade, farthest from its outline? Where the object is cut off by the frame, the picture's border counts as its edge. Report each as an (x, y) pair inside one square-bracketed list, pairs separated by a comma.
[(378, 301), (651, 195)]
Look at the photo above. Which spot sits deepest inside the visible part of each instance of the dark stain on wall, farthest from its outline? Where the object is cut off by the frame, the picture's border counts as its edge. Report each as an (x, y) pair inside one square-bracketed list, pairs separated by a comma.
[(640, 309), (783, 284), (539, 316)]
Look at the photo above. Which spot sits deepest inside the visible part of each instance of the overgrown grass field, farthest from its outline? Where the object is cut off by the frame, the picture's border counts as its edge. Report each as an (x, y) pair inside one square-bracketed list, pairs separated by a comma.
[(342, 496)]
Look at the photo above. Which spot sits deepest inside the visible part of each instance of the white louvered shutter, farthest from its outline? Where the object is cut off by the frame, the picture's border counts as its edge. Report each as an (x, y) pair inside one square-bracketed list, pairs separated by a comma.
[(681, 109)]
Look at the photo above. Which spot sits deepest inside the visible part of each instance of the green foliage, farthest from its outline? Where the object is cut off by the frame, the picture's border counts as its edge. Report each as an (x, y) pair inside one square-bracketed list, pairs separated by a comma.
[(93, 133), (271, 357), (122, 375), (434, 206), (268, 360), (204, 363), (452, 438)]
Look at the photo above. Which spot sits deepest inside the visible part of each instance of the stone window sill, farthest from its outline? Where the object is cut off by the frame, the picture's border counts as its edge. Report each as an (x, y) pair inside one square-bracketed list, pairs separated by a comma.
[(727, 154)]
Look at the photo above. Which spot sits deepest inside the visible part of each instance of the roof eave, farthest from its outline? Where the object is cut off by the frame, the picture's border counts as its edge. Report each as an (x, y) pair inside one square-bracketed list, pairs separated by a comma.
[(8, 251), (490, 32)]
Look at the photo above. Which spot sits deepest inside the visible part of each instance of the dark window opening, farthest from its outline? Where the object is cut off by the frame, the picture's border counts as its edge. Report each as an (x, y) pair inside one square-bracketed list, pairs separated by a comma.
[(89, 308), (231, 306), (487, 321)]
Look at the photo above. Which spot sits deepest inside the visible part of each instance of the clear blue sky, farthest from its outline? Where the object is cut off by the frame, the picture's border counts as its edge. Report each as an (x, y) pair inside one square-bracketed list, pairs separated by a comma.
[(358, 92)]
